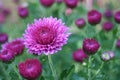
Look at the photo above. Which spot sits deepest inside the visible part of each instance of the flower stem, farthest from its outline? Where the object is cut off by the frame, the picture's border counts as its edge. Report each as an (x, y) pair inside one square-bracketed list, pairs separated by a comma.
[(89, 69), (7, 77), (98, 70), (52, 67), (16, 71)]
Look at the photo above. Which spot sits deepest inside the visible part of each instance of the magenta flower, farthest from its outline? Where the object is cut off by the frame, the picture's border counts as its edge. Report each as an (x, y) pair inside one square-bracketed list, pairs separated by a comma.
[(6, 55), (30, 69), (90, 45), (79, 55), (3, 37), (16, 46), (47, 3), (46, 36), (23, 12)]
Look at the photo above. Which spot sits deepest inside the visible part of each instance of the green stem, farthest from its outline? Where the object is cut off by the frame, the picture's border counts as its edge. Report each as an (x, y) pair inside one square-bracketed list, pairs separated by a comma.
[(7, 77), (16, 71), (114, 45), (89, 69), (98, 70), (52, 67)]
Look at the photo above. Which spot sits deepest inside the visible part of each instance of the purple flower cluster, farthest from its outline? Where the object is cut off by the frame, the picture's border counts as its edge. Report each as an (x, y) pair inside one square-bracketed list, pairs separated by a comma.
[(90, 46), (45, 36)]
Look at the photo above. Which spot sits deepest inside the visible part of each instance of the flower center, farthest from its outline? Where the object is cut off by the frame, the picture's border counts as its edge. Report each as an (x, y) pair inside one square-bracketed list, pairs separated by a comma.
[(46, 35)]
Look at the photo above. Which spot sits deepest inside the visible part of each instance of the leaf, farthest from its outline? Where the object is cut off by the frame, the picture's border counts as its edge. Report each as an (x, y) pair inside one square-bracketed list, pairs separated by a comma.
[(67, 72)]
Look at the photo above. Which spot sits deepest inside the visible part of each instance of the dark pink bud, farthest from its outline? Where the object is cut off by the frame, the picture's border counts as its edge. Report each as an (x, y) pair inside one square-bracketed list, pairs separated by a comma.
[(3, 37), (59, 1), (90, 46), (23, 12), (107, 26), (71, 3), (6, 12), (108, 13), (118, 43), (6, 55), (47, 3), (117, 16), (80, 22), (79, 55), (30, 69), (94, 17)]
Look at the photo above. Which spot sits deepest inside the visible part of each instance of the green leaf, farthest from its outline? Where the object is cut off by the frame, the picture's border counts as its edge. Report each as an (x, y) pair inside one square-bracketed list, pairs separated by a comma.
[(67, 72)]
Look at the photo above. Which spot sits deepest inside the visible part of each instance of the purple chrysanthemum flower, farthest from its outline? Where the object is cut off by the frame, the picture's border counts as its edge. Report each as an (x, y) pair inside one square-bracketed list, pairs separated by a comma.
[(6, 55), (3, 37), (107, 26), (23, 12), (30, 69), (80, 22), (118, 43), (46, 36), (108, 13), (90, 45), (47, 3), (94, 17), (117, 17), (16, 46), (71, 3), (79, 55)]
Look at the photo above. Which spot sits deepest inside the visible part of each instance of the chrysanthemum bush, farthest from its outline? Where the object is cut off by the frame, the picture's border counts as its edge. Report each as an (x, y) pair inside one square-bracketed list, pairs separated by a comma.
[(60, 41)]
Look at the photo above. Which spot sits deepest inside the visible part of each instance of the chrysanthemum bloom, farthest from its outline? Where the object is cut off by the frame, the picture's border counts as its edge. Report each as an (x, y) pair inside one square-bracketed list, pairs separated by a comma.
[(23, 12), (94, 17), (6, 55), (107, 26), (90, 46), (47, 3), (3, 37), (30, 69), (80, 22), (107, 55), (71, 3), (108, 13), (118, 43), (79, 55), (117, 16), (16, 46), (46, 36)]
